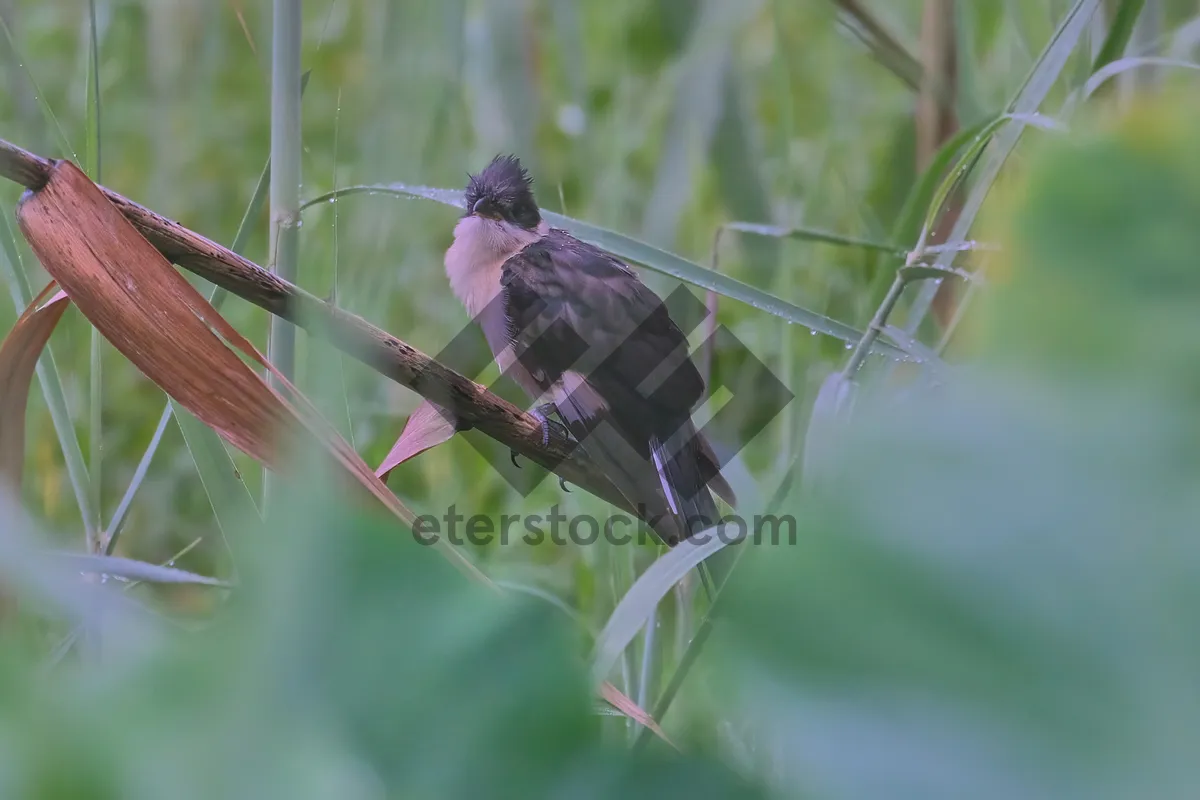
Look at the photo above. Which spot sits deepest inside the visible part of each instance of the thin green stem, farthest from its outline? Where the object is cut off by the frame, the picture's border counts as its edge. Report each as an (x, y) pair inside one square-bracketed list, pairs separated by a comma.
[(692, 651), (875, 328), (285, 180), (649, 650), (95, 358), (95, 438), (285, 174), (682, 671)]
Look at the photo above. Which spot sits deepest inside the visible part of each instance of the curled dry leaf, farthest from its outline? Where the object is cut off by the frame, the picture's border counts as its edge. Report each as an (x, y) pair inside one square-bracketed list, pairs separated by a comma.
[(161, 323), (19, 355), (426, 428)]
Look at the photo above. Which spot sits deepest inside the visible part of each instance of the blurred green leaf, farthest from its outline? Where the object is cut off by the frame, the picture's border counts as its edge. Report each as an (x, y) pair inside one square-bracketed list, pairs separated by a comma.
[(986, 599), (860, 21)]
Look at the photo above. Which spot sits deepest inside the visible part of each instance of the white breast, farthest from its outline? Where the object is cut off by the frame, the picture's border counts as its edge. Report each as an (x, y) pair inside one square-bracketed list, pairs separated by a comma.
[(473, 264), (480, 248)]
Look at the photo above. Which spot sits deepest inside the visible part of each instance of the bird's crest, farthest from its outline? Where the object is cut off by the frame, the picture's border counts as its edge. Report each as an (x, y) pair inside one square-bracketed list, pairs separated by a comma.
[(504, 179)]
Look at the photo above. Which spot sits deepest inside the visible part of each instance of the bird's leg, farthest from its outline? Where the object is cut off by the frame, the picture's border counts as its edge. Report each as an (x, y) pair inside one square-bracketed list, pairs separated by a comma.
[(544, 414)]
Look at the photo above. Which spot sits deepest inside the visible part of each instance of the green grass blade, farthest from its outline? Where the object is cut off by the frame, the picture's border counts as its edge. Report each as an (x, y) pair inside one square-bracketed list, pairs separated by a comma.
[(648, 256), (884, 47), (136, 570), (639, 603), (93, 97), (117, 523), (551, 599), (63, 143), (907, 227), (340, 397), (967, 162), (50, 381), (1040, 80), (47, 368), (1114, 68), (1119, 33), (920, 198), (95, 357), (232, 503), (813, 235)]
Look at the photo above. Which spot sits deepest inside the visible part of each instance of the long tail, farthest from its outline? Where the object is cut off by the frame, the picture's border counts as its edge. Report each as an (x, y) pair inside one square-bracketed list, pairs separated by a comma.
[(681, 463)]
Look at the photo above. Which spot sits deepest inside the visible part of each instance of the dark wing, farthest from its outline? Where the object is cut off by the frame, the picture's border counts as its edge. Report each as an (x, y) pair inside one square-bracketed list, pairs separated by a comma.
[(577, 308), (581, 319)]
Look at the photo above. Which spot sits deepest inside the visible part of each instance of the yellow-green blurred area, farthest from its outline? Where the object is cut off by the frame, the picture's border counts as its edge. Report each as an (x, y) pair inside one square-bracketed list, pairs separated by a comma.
[(993, 585)]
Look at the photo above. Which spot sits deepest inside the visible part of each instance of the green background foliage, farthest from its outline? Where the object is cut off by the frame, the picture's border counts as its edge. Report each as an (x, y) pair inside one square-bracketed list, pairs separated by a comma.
[(991, 589)]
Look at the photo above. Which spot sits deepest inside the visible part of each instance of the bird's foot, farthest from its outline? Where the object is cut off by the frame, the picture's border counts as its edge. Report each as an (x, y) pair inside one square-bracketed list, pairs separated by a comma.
[(544, 415)]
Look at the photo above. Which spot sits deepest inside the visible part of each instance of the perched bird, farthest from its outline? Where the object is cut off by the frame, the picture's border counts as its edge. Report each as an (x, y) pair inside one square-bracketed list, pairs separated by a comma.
[(589, 342)]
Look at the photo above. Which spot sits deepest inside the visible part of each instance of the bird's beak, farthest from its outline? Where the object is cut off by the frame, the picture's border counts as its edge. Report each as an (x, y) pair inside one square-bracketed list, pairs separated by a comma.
[(485, 207)]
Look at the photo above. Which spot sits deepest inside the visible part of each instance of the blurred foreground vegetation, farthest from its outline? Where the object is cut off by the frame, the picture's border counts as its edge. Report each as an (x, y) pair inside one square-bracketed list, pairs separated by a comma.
[(989, 596)]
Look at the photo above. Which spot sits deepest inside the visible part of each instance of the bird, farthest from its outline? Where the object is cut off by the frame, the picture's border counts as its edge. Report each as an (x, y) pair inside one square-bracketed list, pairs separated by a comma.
[(589, 343)]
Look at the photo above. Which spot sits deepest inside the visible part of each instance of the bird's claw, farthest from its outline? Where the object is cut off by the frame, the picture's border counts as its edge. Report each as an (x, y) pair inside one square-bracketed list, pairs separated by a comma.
[(562, 484), (543, 414), (513, 455)]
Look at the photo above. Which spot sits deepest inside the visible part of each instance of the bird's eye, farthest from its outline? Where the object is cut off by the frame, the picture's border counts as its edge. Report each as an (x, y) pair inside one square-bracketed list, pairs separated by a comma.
[(486, 206)]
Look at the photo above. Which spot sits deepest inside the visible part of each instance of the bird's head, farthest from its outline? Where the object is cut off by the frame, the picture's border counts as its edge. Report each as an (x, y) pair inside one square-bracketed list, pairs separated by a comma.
[(503, 191)]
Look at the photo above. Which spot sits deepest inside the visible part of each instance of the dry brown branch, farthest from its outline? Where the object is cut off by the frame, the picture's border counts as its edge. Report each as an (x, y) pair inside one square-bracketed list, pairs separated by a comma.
[(470, 403)]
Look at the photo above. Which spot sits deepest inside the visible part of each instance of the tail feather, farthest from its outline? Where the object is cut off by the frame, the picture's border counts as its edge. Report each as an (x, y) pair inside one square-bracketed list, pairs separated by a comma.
[(680, 464), (634, 477), (672, 485)]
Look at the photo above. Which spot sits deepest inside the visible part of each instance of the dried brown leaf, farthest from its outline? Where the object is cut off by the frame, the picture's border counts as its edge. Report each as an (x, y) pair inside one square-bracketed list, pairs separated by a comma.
[(426, 428), (19, 353), (161, 323), (620, 701)]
